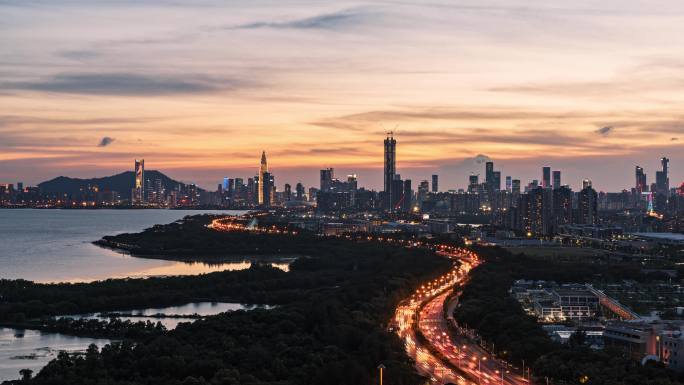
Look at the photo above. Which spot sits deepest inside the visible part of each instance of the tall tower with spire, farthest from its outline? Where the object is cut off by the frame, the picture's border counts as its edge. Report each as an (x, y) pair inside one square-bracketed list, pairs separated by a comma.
[(263, 170)]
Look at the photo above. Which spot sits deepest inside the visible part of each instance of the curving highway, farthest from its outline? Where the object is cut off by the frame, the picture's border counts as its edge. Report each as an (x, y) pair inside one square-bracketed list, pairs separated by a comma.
[(439, 355)]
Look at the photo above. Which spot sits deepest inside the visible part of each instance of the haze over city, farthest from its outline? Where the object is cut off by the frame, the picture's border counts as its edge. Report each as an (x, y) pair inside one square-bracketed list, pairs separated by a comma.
[(200, 88)]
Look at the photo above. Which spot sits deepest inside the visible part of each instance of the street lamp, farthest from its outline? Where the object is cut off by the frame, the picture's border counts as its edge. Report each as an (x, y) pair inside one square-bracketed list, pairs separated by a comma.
[(479, 369), (381, 367)]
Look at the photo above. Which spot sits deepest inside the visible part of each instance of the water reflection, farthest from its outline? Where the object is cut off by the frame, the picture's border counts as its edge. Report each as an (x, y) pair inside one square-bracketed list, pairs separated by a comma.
[(31, 349), (171, 316), (175, 268)]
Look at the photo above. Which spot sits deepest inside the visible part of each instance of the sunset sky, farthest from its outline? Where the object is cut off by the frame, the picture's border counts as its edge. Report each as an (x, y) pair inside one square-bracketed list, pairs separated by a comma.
[(200, 88)]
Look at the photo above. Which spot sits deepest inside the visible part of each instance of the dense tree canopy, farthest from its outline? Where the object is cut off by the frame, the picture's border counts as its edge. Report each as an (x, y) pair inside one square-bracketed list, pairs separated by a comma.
[(329, 325)]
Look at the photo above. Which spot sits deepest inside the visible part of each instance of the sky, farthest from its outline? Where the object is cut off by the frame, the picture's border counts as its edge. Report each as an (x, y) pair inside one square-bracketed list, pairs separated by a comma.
[(199, 88)]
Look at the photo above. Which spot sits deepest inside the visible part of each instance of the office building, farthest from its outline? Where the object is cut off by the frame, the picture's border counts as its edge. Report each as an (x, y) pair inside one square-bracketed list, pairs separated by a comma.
[(261, 181), (407, 199), (267, 188), (139, 186), (326, 179), (556, 179), (299, 192), (435, 183), (389, 170), (288, 192), (496, 181), (473, 183), (515, 186), (489, 172), (546, 177), (641, 185)]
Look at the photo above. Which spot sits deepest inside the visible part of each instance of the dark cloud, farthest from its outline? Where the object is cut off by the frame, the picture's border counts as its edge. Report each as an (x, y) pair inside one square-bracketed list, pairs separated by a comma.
[(604, 130), (105, 141), (674, 139), (124, 84), (335, 20)]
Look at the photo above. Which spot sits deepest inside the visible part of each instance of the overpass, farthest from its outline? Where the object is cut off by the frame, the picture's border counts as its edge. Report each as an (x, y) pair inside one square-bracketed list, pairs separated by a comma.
[(614, 305)]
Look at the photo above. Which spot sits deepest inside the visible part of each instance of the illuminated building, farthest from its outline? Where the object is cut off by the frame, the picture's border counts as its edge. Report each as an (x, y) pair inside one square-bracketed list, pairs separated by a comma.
[(662, 186), (390, 170), (641, 185), (562, 206), (587, 205), (266, 188), (139, 186), (261, 182)]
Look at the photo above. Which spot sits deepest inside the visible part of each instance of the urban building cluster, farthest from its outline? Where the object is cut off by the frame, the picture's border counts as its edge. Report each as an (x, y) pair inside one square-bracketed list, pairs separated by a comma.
[(541, 208), (605, 322)]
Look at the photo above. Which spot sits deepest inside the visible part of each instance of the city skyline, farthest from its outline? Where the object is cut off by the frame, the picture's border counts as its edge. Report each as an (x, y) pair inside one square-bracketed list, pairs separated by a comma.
[(442, 75), (480, 169)]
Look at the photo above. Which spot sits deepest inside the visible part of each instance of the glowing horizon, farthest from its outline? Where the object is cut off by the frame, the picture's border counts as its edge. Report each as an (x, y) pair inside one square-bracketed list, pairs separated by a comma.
[(198, 89)]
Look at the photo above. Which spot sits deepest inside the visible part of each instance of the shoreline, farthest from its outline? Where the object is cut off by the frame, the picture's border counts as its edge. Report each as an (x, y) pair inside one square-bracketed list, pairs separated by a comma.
[(209, 258)]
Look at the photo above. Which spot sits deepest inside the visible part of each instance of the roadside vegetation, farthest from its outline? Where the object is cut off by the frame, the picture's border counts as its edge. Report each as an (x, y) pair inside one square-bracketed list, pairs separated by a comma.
[(498, 318)]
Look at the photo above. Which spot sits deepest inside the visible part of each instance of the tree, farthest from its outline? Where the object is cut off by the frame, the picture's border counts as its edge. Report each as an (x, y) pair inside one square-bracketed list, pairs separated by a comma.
[(26, 374)]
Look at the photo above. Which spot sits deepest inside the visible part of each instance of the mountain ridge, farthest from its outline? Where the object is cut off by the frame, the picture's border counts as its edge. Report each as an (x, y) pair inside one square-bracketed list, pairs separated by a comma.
[(122, 183)]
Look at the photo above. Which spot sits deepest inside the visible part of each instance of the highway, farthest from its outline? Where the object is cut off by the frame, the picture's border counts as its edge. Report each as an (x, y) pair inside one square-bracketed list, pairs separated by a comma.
[(440, 356), (444, 358)]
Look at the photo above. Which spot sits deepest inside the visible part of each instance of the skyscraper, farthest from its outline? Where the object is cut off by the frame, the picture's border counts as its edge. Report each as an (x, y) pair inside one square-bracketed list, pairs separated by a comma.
[(300, 191), (515, 186), (408, 196), (640, 185), (489, 173), (390, 169), (288, 192), (423, 189), (327, 175), (139, 187), (556, 179), (587, 205), (262, 180), (266, 188), (662, 186), (546, 177), (496, 181), (662, 178), (435, 183), (473, 182), (509, 183)]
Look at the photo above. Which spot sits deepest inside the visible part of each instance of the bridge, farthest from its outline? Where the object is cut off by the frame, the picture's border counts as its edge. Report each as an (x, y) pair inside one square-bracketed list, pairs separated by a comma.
[(614, 305)]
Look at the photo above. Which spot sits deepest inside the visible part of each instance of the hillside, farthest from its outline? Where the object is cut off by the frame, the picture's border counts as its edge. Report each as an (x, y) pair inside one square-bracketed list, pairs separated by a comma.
[(122, 183)]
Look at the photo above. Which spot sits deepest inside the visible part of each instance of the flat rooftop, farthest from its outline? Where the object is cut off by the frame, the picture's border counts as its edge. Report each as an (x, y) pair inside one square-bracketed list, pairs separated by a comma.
[(675, 237)]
